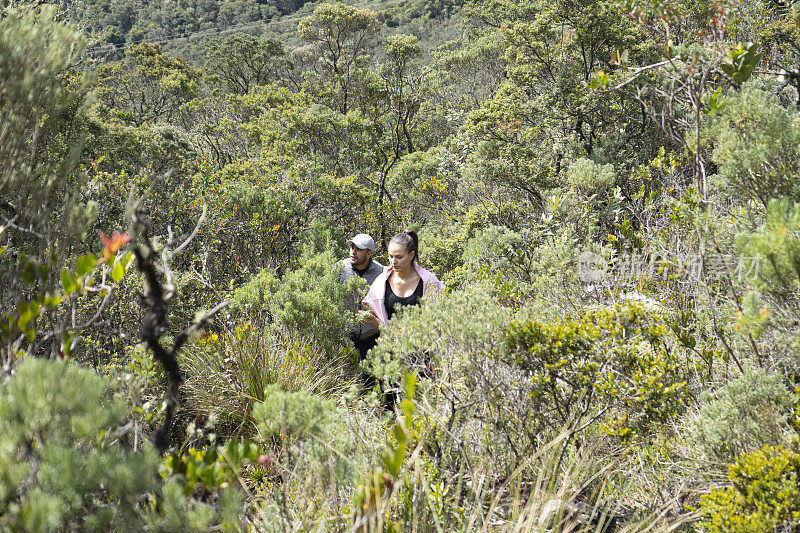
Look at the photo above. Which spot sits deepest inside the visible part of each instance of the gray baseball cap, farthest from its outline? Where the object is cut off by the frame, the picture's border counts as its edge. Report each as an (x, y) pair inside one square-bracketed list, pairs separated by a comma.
[(363, 241)]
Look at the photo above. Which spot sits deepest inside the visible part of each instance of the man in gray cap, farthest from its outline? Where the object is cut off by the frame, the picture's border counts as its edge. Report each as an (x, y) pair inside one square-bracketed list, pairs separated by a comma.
[(360, 263)]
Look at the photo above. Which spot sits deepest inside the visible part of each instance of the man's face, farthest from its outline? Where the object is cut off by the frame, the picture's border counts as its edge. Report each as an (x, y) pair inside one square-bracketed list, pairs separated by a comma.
[(359, 258)]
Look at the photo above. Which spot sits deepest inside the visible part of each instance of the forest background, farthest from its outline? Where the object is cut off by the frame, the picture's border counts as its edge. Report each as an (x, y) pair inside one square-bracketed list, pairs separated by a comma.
[(609, 190)]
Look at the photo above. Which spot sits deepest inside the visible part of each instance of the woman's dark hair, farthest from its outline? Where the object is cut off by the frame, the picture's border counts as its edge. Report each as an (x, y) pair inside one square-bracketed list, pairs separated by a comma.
[(409, 241)]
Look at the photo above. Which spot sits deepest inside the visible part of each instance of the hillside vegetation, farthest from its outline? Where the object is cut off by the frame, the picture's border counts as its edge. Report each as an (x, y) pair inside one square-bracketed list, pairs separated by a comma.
[(609, 190)]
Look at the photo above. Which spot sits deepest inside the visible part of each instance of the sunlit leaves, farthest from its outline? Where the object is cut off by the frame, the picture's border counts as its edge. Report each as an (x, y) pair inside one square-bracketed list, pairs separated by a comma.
[(740, 61), (340, 35), (619, 58), (85, 264), (600, 80), (68, 282)]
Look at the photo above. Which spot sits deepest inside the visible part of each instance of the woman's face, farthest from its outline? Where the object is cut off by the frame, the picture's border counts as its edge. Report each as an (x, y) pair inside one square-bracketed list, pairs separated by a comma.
[(399, 258)]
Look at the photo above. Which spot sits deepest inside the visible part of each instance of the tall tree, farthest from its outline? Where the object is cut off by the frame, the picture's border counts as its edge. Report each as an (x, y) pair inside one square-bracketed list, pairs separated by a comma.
[(241, 62), (148, 85), (340, 35), (401, 77), (545, 115)]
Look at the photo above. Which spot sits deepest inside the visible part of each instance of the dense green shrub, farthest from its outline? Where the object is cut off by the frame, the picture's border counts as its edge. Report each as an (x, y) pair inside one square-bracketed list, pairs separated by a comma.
[(308, 301), (744, 415), (56, 422), (248, 198), (311, 301), (776, 242), (447, 340), (590, 177), (316, 449), (764, 496)]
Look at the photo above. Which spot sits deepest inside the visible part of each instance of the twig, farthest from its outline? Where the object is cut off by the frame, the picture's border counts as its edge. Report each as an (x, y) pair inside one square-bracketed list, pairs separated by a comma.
[(636, 72), (192, 236), (9, 223)]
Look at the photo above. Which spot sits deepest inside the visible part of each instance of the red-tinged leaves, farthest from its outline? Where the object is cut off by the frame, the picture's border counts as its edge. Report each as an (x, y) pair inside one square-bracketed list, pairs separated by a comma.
[(117, 241)]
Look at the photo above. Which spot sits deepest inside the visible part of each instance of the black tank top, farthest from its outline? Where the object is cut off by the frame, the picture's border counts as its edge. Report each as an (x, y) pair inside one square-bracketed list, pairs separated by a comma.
[(391, 299)]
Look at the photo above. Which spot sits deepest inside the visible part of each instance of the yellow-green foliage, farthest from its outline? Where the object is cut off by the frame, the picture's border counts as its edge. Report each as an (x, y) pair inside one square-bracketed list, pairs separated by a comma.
[(209, 468), (610, 363), (590, 177), (764, 496)]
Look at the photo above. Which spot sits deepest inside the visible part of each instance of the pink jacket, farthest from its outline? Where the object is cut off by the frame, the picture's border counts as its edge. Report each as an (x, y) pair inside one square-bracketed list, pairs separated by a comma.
[(377, 291)]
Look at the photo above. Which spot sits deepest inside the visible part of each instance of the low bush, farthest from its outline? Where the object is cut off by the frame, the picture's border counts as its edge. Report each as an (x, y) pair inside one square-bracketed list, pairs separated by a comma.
[(764, 496), (746, 414), (590, 177), (311, 435), (612, 365), (510, 385)]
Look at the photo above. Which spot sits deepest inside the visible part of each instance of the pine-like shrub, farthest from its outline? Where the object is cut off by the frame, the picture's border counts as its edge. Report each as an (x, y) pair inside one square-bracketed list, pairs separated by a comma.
[(66, 464), (60, 466), (311, 433), (308, 301), (772, 253), (757, 147)]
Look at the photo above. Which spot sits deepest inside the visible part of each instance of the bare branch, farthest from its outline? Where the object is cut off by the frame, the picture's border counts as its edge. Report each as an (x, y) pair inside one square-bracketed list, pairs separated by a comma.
[(193, 235), (156, 299), (636, 72), (9, 223), (201, 320)]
